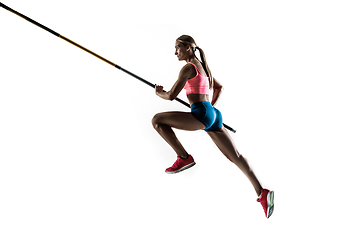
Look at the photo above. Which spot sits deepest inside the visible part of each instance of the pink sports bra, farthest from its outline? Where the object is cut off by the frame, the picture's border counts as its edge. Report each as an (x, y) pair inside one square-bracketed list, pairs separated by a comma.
[(198, 84)]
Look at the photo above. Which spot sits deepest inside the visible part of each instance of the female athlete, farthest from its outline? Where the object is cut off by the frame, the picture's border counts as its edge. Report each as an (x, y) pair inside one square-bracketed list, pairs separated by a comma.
[(195, 77)]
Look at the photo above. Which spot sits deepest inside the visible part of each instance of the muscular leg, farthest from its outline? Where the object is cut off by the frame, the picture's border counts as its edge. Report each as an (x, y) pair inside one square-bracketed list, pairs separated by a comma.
[(224, 142), (163, 123)]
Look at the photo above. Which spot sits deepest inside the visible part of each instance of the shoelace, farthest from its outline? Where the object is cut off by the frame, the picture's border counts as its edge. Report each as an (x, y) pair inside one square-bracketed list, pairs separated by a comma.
[(175, 165)]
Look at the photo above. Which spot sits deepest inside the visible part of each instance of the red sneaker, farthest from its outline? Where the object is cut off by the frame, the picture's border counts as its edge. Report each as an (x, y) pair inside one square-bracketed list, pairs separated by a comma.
[(267, 199), (181, 164)]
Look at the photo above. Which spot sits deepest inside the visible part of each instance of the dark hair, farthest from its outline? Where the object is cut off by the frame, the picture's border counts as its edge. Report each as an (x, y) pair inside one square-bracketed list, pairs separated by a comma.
[(187, 40)]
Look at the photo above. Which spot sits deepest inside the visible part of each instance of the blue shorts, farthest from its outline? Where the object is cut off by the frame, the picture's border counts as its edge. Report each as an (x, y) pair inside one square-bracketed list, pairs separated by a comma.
[(207, 115)]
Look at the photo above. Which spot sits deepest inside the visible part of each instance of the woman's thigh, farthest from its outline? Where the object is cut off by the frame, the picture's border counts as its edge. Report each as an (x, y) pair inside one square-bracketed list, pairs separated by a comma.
[(179, 120), (225, 143)]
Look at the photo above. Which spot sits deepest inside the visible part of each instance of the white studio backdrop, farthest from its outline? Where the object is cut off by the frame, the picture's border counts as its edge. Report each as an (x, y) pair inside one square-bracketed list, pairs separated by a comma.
[(79, 158)]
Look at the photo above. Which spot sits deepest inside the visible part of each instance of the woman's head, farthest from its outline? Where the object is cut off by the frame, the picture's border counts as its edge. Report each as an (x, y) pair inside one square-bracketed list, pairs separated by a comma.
[(186, 40), (185, 48)]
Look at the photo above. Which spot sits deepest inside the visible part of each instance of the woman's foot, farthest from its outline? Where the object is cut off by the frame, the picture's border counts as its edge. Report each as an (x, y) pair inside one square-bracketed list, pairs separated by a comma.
[(267, 201), (181, 164)]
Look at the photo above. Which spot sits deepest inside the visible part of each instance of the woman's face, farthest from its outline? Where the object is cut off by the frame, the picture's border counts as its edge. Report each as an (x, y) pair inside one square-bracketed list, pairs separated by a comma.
[(180, 51)]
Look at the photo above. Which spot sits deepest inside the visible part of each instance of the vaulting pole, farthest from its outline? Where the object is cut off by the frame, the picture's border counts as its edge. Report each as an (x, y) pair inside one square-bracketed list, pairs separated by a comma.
[(94, 54)]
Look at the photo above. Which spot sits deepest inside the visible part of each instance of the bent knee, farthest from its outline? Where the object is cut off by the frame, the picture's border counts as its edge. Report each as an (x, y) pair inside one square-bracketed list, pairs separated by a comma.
[(156, 120)]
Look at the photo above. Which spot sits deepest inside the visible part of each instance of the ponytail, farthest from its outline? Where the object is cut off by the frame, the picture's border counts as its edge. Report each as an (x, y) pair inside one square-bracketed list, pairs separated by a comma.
[(206, 67)]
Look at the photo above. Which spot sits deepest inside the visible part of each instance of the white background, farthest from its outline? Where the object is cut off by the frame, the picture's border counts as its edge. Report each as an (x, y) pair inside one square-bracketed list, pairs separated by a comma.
[(79, 158)]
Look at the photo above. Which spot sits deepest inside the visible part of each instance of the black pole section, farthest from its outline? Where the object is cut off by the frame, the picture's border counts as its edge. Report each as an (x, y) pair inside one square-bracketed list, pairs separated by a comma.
[(94, 54), (29, 19)]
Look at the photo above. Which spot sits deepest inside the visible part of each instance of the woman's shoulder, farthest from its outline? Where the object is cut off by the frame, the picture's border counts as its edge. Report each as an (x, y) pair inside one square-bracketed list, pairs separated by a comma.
[(198, 68), (188, 70), (189, 67)]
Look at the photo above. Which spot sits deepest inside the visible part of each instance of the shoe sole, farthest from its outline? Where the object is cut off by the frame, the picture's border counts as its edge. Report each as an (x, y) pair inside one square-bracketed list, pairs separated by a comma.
[(183, 168), (270, 203)]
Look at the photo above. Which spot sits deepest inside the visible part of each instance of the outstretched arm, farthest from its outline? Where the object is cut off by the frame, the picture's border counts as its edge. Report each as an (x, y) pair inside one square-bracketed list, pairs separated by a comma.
[(184, 74), (217, 88)]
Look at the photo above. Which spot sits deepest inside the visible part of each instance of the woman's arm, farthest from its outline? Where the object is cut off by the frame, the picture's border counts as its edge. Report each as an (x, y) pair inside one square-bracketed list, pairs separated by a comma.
[(217, 88), (184, 74)]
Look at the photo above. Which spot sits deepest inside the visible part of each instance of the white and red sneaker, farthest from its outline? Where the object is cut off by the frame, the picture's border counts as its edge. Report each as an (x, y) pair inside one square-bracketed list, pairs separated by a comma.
[(267, 201), (181, 164)]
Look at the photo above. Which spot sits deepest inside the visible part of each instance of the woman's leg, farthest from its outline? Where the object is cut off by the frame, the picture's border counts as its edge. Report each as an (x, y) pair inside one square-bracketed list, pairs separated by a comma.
[(163, 123), (224, 142)]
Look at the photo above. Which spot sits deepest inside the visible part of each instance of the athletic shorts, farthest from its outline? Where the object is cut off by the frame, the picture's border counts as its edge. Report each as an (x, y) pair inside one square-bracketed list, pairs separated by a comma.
[(207, 115)]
